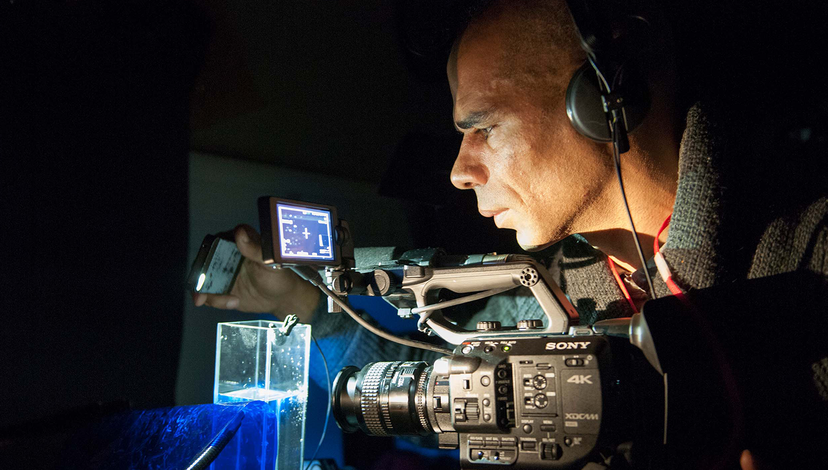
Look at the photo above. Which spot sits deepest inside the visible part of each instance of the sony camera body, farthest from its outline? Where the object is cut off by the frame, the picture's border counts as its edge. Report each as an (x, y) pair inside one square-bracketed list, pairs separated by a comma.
[(524, 402), (545, 393)]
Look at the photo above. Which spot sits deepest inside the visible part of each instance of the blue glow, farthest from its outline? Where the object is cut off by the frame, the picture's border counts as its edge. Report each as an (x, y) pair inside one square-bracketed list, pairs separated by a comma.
[(162, 438)]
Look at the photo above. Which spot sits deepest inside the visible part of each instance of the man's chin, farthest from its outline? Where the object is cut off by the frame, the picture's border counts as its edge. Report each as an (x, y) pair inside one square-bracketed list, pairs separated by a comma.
[(532, 245), (531, 248)]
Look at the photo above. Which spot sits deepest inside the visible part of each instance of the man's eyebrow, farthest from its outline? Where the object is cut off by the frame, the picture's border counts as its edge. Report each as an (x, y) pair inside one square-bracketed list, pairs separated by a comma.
[(473, 119)]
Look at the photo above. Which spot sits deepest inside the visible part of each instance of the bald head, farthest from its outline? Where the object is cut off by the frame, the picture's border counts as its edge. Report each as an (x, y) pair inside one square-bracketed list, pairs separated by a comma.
[(529, 43)]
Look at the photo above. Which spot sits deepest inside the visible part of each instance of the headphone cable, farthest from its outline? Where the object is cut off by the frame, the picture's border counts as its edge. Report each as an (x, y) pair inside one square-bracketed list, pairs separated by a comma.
[(617, 161)]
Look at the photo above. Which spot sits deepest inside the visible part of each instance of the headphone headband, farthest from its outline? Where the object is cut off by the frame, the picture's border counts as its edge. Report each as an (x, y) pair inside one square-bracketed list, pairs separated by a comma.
[(604, 85), (593, 30)]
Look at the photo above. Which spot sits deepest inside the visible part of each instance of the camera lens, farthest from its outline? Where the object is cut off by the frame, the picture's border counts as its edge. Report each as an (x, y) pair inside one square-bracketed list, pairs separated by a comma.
[(384, 398)]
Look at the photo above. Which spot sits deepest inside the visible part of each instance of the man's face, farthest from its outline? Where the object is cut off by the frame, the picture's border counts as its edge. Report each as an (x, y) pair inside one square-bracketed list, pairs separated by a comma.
[(529, 168)]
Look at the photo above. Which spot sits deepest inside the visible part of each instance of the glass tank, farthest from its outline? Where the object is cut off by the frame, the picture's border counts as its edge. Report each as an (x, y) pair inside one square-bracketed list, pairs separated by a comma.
[(264, 371)]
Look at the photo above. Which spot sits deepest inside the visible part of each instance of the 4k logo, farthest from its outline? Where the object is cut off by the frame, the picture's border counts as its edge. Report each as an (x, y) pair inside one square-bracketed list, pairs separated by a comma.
[(580, 379)]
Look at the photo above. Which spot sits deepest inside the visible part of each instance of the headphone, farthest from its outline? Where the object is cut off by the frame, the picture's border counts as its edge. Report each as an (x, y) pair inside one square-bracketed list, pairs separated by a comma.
[(606, 97)]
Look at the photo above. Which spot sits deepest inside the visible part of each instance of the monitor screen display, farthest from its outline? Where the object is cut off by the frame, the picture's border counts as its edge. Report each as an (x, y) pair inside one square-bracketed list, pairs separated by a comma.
[(305, 233)]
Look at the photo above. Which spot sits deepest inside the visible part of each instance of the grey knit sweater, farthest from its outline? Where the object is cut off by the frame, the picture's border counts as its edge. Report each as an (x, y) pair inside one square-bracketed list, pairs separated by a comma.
[(717, 235)]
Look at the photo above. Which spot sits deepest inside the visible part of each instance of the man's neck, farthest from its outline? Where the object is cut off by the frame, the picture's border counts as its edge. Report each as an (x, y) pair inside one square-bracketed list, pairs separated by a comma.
[(619, 244), (651, 202)]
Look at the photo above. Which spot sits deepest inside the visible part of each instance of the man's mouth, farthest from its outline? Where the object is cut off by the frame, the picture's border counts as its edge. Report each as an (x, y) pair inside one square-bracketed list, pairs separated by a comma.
[(498, 214), (491, 212)]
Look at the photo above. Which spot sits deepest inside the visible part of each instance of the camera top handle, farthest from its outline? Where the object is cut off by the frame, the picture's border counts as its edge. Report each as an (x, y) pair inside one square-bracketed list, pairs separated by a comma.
[(486, 275)]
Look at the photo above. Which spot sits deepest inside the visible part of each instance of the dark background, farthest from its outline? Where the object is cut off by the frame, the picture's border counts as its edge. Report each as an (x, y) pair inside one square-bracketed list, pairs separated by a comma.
[(101, 103)]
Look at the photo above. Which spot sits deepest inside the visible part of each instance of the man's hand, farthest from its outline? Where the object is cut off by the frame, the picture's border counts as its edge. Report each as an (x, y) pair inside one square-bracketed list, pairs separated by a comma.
[(749, 462), (260, 288)]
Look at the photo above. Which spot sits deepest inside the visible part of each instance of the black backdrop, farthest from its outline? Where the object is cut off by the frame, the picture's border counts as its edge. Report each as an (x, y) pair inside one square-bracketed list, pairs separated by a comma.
[(94, 142)]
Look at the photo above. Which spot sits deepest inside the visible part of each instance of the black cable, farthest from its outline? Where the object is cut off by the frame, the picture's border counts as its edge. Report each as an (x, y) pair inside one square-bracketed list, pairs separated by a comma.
[(309, 274), (379, 332), (617, 161), (327, 413), (217, 444)]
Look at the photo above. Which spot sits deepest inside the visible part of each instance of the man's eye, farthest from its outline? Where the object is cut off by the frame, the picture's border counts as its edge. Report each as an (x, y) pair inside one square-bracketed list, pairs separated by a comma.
[(486, 131)]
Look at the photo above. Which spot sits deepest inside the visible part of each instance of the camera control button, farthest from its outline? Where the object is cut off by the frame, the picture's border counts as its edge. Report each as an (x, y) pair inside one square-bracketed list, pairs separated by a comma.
[(550, 451), (472, 410), (574, 362), (539, 382), (527, 428), (488, 325), (540, 401), (547, 427), (487, 417), (485, 380), (529, 324), (528, 445), (486, 402)]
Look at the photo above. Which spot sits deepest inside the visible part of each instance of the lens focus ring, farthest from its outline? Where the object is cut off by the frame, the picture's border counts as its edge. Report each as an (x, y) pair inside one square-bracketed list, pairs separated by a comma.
[(369, 403), (384, 399), (421, 400)]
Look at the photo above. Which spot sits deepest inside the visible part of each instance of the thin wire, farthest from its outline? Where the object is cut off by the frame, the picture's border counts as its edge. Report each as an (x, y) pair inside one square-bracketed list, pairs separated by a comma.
[(426, 311), (462, 300), (598, 73), (617, 158), (309, 274), (327, 413), (617, 161), (377, 331), (218, 443)]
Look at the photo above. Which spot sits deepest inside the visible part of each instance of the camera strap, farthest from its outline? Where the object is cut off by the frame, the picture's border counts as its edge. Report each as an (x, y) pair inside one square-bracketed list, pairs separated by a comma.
[(661, 263)]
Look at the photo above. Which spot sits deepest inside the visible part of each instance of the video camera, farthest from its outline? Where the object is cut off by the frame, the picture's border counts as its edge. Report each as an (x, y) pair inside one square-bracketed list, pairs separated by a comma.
[(549, 392), (543, 393)]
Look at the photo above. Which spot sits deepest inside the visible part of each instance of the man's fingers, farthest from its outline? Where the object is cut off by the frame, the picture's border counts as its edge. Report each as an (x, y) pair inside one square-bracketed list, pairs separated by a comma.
[(224, 302), (249, 242), (749, 462)]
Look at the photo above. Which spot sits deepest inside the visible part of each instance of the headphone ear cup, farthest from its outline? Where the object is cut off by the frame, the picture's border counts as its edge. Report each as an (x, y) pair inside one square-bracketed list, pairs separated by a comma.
[(586, 110)]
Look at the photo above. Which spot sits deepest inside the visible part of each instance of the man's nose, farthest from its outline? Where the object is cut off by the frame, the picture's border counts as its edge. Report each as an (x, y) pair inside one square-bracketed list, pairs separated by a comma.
[(468, 172)]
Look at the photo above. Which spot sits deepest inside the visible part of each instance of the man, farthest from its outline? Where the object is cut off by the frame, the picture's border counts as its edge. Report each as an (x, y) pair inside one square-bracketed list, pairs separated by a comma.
[(533, 173), (531, 170)]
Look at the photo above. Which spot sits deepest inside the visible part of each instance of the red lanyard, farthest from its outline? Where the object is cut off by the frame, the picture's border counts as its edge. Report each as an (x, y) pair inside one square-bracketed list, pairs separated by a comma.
[(621, 284), (661, 264)]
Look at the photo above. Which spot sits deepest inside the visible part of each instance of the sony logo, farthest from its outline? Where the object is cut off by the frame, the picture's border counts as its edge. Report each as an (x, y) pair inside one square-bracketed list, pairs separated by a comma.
[(567, 345), (581, 415)]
